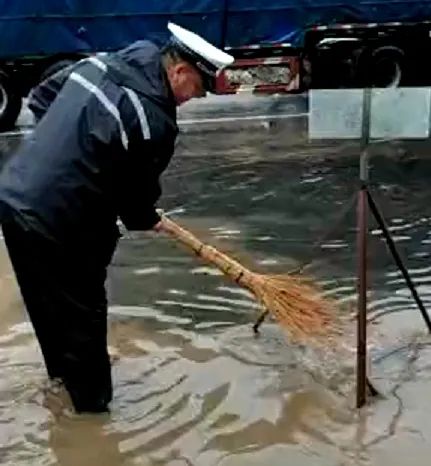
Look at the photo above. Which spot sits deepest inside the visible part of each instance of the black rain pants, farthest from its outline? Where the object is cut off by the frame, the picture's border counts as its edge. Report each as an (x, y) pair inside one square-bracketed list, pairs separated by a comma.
[(64, 293)]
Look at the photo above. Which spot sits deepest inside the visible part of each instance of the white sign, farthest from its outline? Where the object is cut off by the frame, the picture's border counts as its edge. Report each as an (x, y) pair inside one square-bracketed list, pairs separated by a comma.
[(335, 114), (396, 113)]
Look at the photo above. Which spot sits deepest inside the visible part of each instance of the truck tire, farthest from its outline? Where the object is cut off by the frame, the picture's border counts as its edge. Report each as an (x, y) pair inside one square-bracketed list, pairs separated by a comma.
[(54, 67), (10, 102), (389, 66), (383, 67)]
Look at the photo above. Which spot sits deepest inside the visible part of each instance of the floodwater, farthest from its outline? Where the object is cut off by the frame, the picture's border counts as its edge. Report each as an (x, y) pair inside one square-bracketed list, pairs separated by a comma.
[(193, 386)]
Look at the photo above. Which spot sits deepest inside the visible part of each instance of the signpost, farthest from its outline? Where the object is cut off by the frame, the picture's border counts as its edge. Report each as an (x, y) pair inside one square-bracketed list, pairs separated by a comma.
[(367, 114)]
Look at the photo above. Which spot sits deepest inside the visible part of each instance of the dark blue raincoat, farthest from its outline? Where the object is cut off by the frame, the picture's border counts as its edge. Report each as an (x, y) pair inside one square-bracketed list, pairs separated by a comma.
[(106, 131)]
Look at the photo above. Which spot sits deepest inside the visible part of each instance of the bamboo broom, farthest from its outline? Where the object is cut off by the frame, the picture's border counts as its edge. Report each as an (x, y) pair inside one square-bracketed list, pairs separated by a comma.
[(296, 305)]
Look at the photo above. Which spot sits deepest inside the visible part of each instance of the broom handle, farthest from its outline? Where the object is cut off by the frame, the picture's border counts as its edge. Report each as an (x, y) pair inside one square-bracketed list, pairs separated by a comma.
[(226, 264)]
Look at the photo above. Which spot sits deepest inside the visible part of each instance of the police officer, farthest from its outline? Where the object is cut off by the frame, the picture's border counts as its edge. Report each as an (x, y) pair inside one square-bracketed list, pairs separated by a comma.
[(106, 128)]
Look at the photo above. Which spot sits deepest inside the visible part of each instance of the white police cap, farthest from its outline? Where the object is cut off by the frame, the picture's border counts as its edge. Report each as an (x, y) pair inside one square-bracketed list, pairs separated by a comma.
[(209, 59)]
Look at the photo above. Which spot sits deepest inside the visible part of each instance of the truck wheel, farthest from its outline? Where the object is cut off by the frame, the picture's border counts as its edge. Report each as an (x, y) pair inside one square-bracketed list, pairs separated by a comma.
[(54, 67), (10, 102), (384, 68), (388, 63)]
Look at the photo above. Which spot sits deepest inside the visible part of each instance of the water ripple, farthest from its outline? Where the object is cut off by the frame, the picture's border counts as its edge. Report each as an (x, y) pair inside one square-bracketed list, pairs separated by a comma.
[(193, 385)]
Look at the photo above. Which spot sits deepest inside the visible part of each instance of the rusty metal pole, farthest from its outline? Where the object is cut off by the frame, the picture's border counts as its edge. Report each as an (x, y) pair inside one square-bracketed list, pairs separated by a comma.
[(398, 261), (361, 384)]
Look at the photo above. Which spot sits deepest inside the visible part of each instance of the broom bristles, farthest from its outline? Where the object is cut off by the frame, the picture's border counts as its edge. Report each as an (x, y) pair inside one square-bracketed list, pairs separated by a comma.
[(298, 306), (295, 302)]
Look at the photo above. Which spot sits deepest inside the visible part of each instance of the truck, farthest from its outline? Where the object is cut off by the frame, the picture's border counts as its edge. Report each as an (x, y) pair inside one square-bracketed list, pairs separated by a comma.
[(280, 46)]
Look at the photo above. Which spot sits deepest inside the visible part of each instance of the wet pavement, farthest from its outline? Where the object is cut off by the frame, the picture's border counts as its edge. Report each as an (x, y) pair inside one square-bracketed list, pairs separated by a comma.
[(222, 108), (193, 386)]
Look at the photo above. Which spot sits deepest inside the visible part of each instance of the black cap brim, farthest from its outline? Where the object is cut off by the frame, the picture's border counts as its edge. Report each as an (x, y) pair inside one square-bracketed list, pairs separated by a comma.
[(206, 69), (207, 58), (209, 82)]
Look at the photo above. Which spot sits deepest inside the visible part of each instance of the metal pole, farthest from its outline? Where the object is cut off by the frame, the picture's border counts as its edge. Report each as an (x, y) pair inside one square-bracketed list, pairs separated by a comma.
[(361, 385), (390, 242)]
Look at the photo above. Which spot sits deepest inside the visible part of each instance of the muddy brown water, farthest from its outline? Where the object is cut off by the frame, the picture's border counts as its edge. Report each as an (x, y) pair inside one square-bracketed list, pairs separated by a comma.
[(192, 384)]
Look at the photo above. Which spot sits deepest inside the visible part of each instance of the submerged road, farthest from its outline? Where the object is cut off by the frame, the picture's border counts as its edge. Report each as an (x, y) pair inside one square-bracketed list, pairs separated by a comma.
[(192, 385), (219, 109)]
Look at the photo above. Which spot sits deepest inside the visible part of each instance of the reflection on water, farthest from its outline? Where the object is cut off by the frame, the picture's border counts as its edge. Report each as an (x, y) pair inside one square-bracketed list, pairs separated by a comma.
[(193, 386)]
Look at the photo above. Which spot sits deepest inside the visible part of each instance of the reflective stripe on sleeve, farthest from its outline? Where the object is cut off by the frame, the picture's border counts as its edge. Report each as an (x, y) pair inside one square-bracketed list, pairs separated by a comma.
[(112, 109)]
